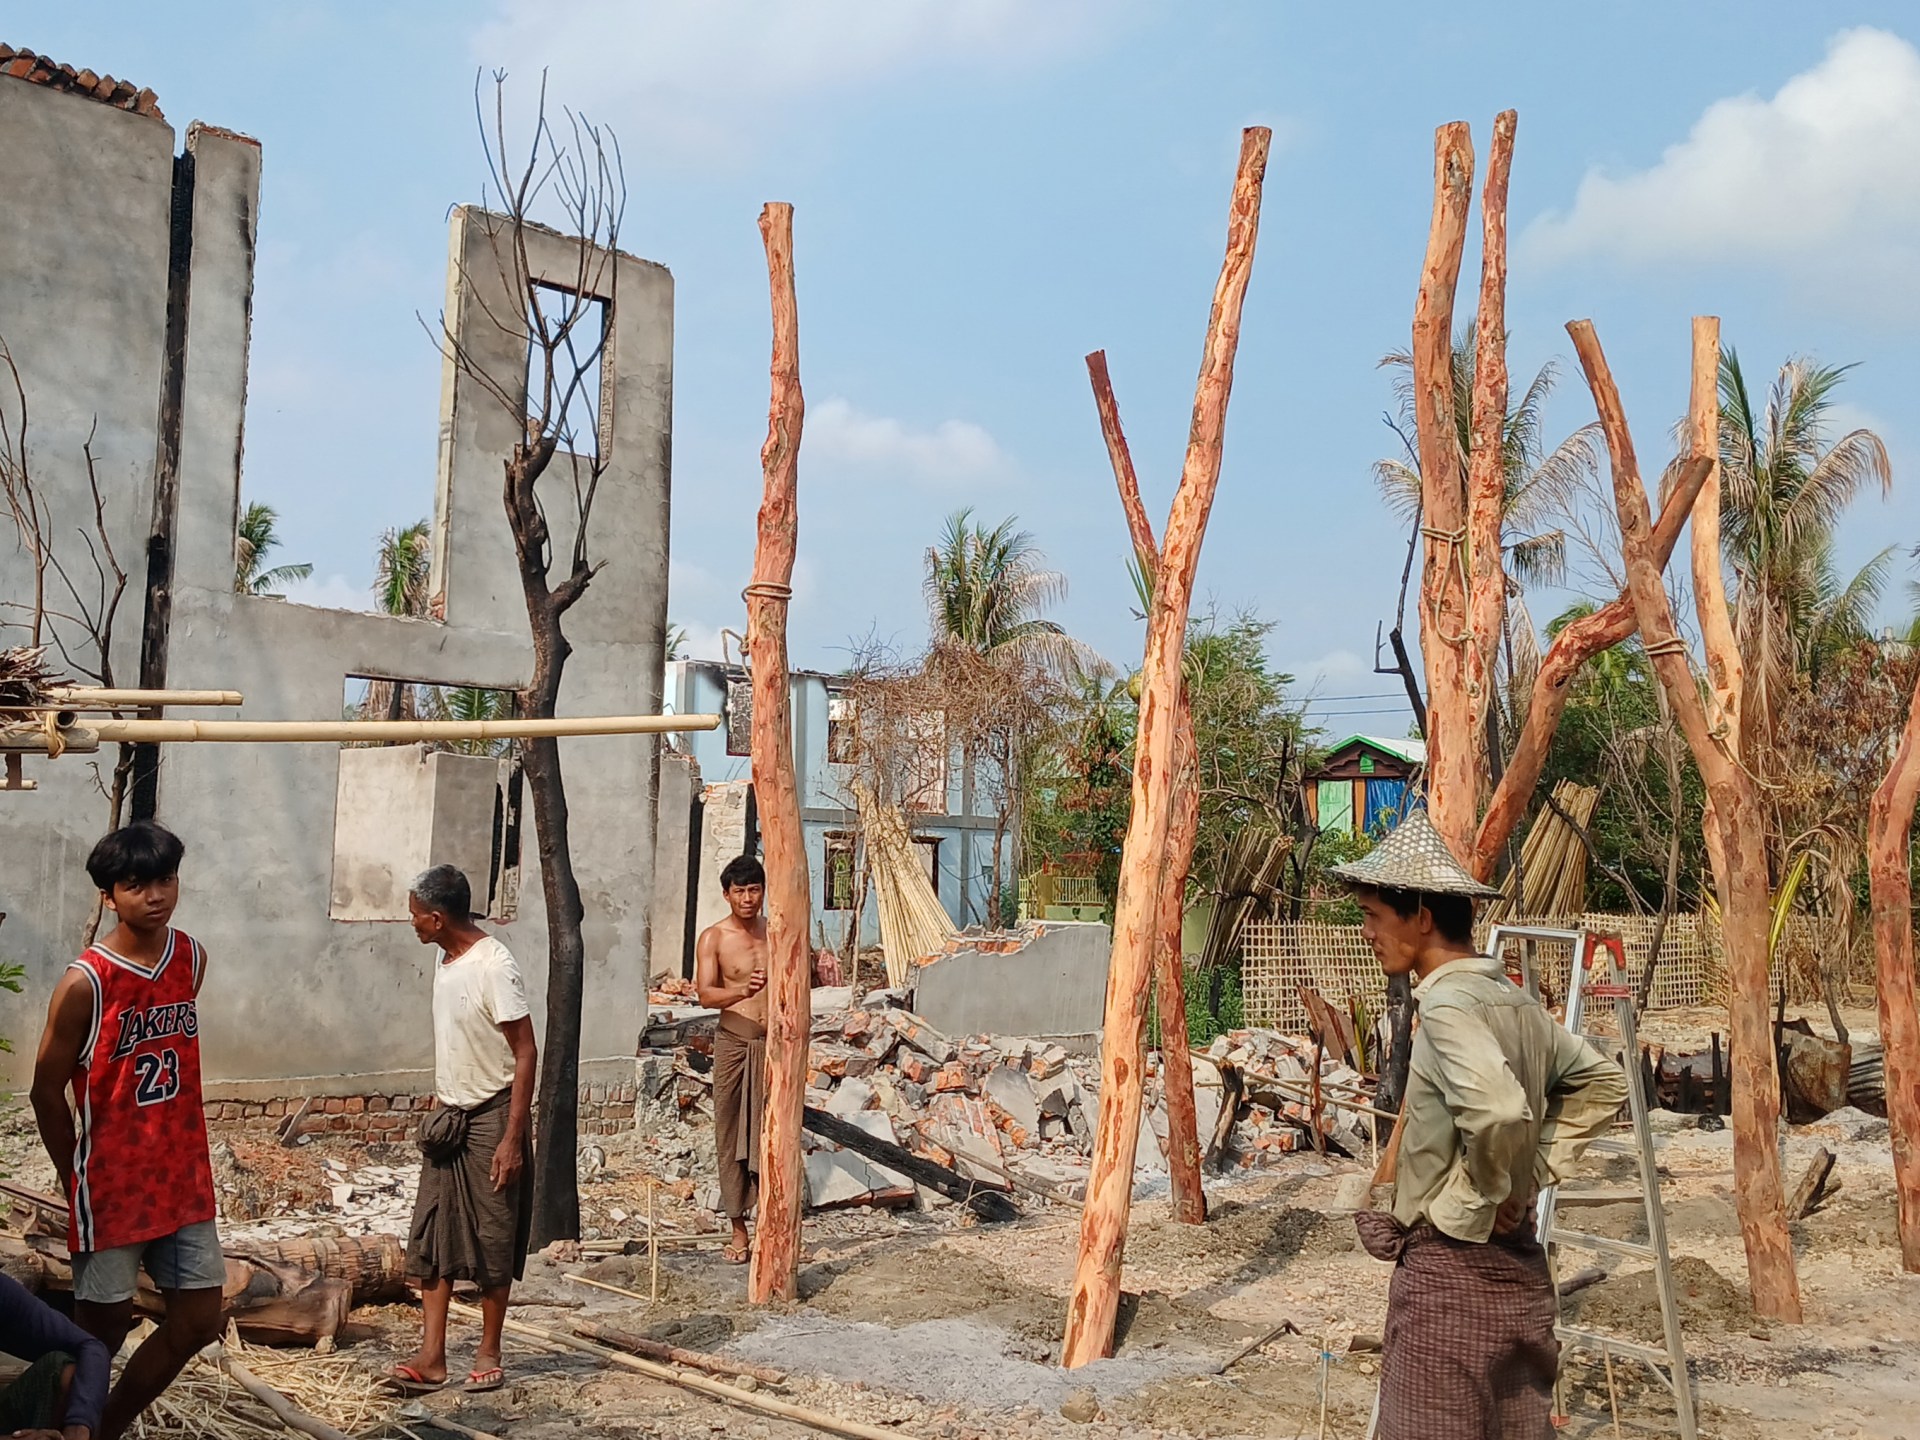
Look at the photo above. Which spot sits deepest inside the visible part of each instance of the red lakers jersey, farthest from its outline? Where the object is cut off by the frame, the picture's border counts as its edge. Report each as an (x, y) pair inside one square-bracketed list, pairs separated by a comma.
[(140, 1169)]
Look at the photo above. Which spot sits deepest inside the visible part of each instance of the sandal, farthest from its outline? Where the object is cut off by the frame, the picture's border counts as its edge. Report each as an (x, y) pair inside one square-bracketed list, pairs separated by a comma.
[(406, 1380), (481, 1381), (737, 1254)]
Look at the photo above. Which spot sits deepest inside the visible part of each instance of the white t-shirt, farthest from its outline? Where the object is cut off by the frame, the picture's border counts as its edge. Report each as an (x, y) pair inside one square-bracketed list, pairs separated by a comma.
[(473, 996)]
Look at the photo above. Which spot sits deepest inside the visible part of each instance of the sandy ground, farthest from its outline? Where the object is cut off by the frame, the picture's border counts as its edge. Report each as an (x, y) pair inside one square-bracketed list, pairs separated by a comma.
[(930, 1325)]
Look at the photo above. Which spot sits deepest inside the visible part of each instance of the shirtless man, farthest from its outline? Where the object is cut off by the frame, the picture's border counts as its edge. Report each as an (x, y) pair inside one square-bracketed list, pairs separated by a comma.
[(730, 975)]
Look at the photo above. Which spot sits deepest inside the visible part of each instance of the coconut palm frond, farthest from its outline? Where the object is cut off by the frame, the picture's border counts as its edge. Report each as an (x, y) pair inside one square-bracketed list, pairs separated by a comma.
[(1539, 559), (402, 570), (1399, 486)]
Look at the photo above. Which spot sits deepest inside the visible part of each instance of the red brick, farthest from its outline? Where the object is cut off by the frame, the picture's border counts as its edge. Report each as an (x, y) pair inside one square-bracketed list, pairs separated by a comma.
[(356, 1105), (333, 1106), (376, 1104), (952, 1076)]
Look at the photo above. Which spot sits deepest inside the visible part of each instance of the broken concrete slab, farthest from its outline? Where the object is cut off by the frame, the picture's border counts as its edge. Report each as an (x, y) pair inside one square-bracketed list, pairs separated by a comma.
[(851, 1097), (1009, 1088)]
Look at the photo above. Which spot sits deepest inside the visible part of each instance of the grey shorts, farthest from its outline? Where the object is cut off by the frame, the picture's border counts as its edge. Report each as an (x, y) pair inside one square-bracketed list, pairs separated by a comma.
[(188, 1259)]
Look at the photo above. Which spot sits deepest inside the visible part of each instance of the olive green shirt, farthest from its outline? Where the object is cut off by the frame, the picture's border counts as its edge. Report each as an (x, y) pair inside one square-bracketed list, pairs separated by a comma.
[(1499, 1098)]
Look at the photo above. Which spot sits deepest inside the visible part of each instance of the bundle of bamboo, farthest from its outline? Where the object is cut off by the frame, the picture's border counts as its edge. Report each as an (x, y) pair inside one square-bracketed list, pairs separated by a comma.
[(1551, 878), (913, 923)]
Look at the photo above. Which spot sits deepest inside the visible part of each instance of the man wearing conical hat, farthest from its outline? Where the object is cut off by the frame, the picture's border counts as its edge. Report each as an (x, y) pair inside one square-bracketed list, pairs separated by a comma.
[(1500, 1101)]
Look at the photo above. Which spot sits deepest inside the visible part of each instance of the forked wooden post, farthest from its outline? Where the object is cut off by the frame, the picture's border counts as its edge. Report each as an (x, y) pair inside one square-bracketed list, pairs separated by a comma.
[(1745, 902), (1103, 1231), (789, 1018), (1572, 648), (1726, 672), (1183, 833), (1889, 857), (1454, 741)]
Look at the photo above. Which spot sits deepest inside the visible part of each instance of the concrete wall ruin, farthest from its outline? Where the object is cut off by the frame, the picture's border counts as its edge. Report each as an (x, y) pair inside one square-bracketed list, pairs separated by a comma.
[(126, 276)]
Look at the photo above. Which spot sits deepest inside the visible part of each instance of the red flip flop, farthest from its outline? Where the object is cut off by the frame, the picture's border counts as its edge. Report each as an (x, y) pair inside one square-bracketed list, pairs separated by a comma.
[(409, 1381), (481, 1381)]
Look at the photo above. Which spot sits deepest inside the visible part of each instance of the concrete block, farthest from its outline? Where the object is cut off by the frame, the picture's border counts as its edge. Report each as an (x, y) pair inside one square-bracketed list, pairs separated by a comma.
[(1056, 1095), (852, 1097), (1009, 1088)]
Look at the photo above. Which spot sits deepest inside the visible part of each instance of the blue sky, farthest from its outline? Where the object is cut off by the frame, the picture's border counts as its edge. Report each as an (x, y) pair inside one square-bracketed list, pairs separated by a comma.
[(986, 189)]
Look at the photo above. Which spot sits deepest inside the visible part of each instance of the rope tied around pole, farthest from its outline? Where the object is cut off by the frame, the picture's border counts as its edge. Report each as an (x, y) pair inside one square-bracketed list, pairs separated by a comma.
[(767, 590), (56, 742), (1672, 645), (1457, 539)]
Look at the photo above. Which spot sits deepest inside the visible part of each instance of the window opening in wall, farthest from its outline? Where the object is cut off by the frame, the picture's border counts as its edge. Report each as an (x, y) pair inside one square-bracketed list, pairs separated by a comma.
[(927, 847), (840, 872), (403, 807), (739, 717), (573, 397), (841, 731)]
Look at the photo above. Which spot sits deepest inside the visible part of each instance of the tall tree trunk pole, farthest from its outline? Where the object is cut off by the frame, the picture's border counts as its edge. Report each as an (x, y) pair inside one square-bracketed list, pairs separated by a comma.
[(789, 1015), (1572, 648), (1454, 739), (1487, 466), (1176, 1056), (1744, 905), (1103, 1229), (1726, 672), (1889, 856)]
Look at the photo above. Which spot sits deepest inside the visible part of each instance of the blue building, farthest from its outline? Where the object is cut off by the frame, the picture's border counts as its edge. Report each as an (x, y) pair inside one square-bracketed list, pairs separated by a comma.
[(951, 821)]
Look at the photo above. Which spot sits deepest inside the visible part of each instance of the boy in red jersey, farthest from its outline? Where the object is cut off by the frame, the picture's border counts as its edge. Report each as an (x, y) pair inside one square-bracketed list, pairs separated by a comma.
[(123, 1033)]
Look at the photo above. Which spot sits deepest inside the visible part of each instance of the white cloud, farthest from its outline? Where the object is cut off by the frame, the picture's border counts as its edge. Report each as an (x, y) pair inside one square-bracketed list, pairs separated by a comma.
[(334, 592), (950, 452), (703, 642), (1817, 182), (696, 80)]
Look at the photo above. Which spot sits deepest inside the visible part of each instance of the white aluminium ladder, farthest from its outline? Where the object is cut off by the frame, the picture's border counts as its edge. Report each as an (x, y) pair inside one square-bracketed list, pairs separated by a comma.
[(1599, 974)]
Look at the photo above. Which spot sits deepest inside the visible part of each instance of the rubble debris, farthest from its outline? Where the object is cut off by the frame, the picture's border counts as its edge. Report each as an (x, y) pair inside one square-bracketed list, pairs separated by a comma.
[(987, 1204)]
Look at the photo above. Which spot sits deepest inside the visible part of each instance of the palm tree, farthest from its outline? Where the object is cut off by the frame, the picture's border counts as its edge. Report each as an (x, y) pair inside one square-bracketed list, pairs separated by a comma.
[(986, 588), (254, 541), (402, 570), (467, 702), (1783, 490), (1540, 483), (401, 574)]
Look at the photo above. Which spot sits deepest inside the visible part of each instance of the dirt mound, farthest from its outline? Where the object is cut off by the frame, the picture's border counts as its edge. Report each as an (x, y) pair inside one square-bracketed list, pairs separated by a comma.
[(1629, 1304), (929, 1283), (1259, 1235)]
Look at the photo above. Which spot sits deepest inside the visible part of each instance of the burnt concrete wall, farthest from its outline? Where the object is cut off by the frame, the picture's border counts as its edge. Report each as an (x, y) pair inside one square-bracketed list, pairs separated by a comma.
[(1054, 987), (83, 300)]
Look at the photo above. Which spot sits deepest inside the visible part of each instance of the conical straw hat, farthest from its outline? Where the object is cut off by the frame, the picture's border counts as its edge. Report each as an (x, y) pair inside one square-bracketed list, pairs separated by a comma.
[(1413, 857)]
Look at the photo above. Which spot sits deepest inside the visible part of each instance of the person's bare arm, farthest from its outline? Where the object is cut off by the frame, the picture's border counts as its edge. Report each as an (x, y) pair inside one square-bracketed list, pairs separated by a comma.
[(510, 1154), (712, 990), (69, 1017)]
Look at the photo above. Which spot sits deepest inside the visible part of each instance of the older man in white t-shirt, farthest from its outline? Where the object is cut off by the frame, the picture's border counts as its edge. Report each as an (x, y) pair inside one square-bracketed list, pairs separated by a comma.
[(473, 1213)]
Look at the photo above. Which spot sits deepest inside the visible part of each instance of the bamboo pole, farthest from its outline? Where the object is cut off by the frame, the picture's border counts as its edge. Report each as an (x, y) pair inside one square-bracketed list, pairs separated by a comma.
[(1487, 455), (1183, 1124), (1745, 905), (86, 697), (1454, 742), (1103, 1231), (346, 732), (1889, 858), (776, 1255), (1572, 648), (700, 1384)]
